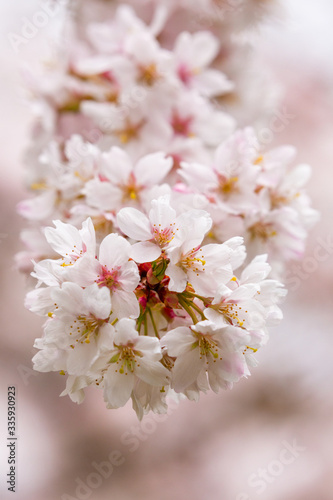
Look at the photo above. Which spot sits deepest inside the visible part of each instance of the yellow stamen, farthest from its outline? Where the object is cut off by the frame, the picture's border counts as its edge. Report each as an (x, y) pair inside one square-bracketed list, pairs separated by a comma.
[(38, 185), (258, 160)]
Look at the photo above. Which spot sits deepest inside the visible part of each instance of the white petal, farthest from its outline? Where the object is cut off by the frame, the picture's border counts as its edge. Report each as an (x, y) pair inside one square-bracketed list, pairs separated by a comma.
[(197, 50), (161, 213), (84, 272), (69, 298), (152, 169), (152, 372), (117, 166), (244, 292), (238, 254), (75, 388), (215, 317), (150, 346), (143, 47), (40, 207), (145, 252), (63, 237), (212, 82), (125, 305), (117, 387), (200, 177), (205, 284), (178, 278), (215, 128), (134, 224), (103, 195), (206, 47), (97, 301), (50, 359), (81, 358), (48, 272), (129, 276), (39, 301), (178, 341), (193, 225), (186, 370), (114, 251), (88, 236), (125, 331)]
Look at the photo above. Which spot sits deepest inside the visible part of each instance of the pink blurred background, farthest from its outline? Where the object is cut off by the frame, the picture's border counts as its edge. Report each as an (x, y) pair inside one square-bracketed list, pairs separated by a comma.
[(217, 448)]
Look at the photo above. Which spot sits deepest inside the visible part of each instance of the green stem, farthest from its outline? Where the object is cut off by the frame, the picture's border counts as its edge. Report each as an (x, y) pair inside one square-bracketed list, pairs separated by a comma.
[(187, 308), (197, 308), (203, 299), (145, 323), (153, 322), (140, 320)]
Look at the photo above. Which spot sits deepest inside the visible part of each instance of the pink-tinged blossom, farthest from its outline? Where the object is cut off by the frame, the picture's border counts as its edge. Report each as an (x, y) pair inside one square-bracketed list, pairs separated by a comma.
[(194, 54), (206, 350), (194, 116), (121, 183), (69, 242), (77, 327), (72, 243), (246, 302), (109, 37), (157, 232), (132, 358), (112, 270), (232, 178), (204, 267)]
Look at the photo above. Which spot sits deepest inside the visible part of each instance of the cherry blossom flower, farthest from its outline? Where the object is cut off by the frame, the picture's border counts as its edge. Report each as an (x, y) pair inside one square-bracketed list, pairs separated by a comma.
[(120, 183), (156, 233), (245, 302), (76, 327), (70, 242), (206, 350), (132, 358), (193, 54), (233, 176), (112, 270), (201, 266)]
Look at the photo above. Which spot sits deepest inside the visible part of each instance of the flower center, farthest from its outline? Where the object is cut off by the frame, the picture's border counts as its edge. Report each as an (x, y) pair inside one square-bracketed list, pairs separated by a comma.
[(278, 200), (129, 132), (103, 226), (194, 261), (125, 358), (149, 75), (74, 255), (228, 186), (207, 346), (131, 189), (164, 236), (231, 312), (109, 278), (262, 230), (182, 126), (185, 74), (84, 327)]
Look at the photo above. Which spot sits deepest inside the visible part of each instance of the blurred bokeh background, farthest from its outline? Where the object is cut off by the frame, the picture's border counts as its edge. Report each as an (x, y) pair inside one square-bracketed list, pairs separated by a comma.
[(228, 446)]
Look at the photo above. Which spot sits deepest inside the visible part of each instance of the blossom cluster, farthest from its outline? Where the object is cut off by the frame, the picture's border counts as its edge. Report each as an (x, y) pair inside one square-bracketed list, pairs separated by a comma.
[(247, 191), (173, 222), (159, 311)]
